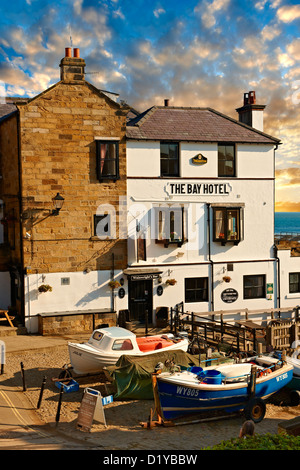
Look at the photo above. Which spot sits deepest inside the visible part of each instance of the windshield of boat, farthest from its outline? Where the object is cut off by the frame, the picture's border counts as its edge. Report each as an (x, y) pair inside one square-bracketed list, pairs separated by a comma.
[(97, 335), (122, 345)]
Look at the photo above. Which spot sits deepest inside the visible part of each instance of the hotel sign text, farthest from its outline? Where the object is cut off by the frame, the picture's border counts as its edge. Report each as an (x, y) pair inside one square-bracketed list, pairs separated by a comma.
[(198, 188)]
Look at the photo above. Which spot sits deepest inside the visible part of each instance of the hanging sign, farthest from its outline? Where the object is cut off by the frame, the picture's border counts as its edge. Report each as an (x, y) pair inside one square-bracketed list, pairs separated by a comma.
[(199, 159), (229, 295)]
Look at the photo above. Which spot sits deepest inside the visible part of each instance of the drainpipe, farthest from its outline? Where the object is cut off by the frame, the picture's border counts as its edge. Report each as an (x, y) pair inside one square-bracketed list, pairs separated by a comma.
[(274, 246), (21, 247), (210, 260), (278, 274)]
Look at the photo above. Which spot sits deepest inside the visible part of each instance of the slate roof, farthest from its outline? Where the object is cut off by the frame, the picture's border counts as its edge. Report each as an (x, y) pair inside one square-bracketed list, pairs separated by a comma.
[(6, 110), (192, 124)]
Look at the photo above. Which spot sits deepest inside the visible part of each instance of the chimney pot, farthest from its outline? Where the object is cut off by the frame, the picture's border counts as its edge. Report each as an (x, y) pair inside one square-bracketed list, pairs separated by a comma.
[(76, 52), (68, 52), (251, 113), (166, 102), (252, 97)]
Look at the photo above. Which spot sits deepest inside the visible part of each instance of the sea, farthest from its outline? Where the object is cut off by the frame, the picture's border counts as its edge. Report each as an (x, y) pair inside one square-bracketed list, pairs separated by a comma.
[(287, 222)]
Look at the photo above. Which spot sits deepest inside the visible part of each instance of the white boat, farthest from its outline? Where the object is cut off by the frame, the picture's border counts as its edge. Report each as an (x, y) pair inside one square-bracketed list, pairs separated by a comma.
[(106, 345), (295, 363)]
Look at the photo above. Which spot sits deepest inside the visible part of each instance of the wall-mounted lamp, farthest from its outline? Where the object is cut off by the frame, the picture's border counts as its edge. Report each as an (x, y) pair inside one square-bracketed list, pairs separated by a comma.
[(58, 202)]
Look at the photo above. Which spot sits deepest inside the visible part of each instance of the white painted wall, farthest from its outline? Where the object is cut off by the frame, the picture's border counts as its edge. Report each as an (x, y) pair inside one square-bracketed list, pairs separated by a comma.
[(252, 189), (288, 264), (86, 291)]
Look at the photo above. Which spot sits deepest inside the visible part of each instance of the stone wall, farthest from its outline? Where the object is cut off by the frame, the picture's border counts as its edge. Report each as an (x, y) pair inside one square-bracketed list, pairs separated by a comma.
[(73, 324), (9, 192), (58, 154)]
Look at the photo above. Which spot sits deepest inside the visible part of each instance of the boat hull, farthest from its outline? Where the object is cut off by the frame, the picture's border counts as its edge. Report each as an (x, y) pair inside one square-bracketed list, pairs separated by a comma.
[(87, 360), (179, 399)]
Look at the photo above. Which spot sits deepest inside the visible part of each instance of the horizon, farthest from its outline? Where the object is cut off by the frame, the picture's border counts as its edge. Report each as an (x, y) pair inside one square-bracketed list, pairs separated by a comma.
[(204, 53)]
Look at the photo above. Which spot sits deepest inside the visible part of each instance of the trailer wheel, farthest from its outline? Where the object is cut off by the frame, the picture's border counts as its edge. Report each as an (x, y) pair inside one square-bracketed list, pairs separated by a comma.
[(255, 410), (295, 397)]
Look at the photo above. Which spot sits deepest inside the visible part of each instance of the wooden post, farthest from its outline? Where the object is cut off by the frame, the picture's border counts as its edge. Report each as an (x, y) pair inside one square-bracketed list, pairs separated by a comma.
[(252, 384), (193, 319), (23, 376)]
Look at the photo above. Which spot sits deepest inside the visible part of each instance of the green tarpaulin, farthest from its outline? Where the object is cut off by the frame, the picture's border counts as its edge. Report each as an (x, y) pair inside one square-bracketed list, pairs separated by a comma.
[(132, 375)]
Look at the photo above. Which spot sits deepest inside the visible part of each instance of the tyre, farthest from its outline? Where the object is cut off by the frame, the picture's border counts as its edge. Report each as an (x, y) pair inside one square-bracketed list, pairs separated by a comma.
[(295, 397), (255, 410)]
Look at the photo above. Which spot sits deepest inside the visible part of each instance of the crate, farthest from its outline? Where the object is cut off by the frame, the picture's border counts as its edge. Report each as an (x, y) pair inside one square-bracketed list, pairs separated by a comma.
[(107, 400), (70, 386)]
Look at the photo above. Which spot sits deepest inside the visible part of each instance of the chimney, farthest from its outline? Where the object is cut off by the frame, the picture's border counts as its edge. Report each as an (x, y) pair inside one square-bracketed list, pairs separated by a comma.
[(72, 68), (166, 102), (251, 113)]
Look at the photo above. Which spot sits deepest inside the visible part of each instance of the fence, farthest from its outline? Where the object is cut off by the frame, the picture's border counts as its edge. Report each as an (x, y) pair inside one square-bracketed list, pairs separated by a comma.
[(277, 328)]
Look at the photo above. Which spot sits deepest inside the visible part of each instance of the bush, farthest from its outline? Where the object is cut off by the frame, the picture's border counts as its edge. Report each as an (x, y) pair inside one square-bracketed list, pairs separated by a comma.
[(260, 442)]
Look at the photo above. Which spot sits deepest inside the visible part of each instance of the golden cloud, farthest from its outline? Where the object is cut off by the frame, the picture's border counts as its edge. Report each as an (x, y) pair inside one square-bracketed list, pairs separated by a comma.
[(286, 206), (288, 176)]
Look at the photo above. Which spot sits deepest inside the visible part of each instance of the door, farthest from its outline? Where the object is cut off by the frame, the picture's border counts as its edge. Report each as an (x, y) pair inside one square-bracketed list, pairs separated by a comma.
[(140, 300)]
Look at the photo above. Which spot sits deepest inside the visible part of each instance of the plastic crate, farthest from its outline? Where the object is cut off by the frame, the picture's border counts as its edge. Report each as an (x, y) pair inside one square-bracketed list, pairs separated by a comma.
[(71, 386), (107, 400)]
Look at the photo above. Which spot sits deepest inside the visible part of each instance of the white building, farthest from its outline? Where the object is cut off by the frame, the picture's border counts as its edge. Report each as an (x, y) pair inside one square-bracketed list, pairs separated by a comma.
[(200, 192)]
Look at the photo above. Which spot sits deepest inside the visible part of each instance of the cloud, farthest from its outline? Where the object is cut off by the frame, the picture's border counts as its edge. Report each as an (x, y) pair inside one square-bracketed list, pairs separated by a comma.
[(288, 176), (158, 12), (287, 206), (209, 10), (288, 13)]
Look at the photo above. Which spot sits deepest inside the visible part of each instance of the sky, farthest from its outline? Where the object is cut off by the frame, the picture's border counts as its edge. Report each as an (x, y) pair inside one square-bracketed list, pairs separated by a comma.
[(205, 53)]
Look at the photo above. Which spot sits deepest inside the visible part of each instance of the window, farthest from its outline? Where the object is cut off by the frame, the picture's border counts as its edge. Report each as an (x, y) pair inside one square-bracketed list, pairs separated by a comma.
[(122, 345), (171, 225), (227, 224), (226, 160), (97, 335), (107, 154), (102, 226), (196, 289), (294, 282), (255, 286), (169, 159)]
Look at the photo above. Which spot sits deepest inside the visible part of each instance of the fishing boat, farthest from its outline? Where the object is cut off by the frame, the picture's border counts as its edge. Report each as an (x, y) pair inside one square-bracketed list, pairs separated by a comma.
[(294, 384), (230, 388), (106, 345)]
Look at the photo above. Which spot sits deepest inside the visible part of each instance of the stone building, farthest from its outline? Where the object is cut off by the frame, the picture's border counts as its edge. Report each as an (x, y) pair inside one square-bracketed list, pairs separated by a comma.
[(66, 147)]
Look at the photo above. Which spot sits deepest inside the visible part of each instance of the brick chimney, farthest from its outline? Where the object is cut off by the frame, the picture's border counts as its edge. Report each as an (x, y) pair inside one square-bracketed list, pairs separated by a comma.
[(251, 113), (72, 68)]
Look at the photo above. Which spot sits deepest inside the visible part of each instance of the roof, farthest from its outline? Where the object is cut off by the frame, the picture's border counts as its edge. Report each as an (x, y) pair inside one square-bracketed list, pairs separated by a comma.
[(192, 124), (6, 110)]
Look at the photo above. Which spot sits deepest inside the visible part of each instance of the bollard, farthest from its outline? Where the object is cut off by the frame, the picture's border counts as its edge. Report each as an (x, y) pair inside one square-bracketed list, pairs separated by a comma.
[(59, 405), (2, 356), (41, 392), (23, 377)]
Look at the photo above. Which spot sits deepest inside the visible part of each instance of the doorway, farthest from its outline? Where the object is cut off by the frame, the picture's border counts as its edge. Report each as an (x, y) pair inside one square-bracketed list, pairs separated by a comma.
[(141, 300)]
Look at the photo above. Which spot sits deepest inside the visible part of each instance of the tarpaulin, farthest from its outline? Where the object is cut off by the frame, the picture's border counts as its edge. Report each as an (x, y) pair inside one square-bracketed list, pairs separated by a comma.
[(132, 375)]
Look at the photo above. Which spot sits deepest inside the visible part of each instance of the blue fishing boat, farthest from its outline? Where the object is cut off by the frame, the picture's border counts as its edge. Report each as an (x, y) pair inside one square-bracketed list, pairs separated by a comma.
[(230, 388)]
